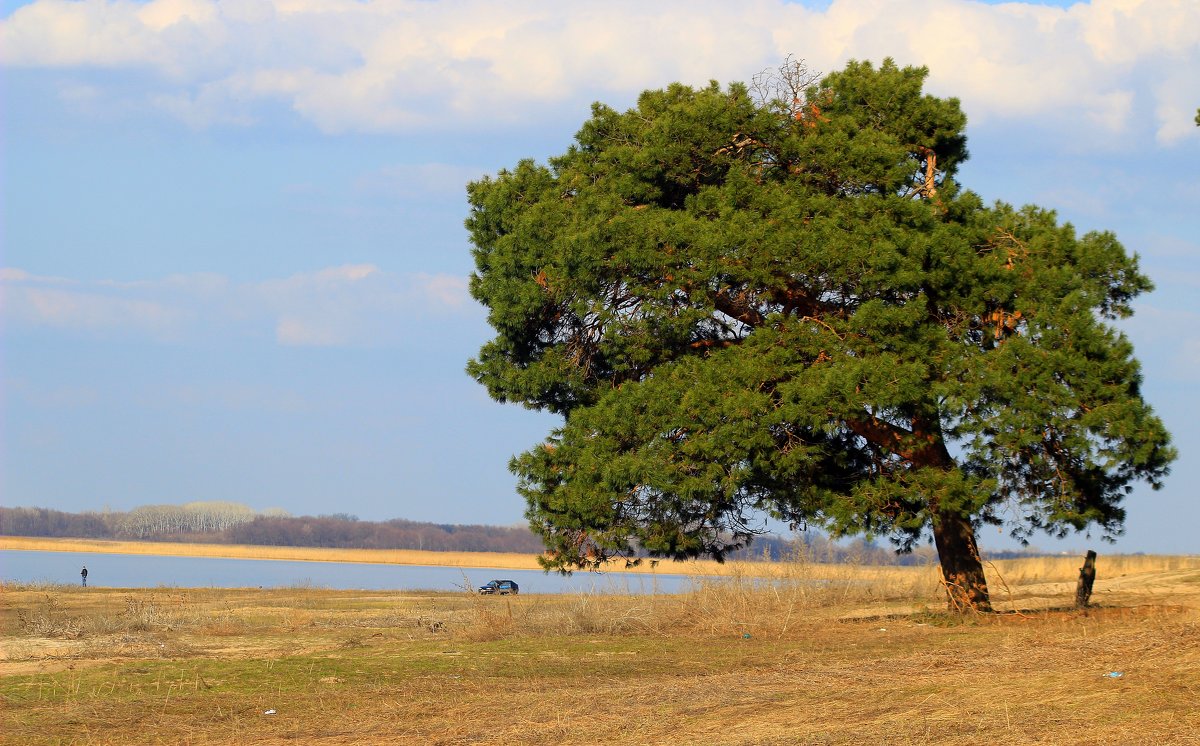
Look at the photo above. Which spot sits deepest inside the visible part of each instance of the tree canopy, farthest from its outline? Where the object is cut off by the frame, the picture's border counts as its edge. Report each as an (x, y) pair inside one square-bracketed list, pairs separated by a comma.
[(776, 300)]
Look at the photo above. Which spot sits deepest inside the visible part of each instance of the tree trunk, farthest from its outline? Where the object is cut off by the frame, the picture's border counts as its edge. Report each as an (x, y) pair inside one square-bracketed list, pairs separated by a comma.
[(962, 568), (1087, 576)]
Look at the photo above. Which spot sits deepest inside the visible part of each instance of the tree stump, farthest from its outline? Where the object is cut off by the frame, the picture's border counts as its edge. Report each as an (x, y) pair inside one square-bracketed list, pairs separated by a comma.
[(1087, 576)]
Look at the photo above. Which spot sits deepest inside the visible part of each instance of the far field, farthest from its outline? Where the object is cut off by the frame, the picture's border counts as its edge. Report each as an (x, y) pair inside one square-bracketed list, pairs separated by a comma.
[(866, 656), (299, 554)]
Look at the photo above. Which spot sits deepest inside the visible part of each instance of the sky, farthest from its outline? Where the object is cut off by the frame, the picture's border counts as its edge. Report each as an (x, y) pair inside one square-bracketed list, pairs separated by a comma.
[(233, 261)]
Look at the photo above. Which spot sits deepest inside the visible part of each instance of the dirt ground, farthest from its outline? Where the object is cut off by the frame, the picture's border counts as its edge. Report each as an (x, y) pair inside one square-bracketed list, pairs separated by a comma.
[(732, 662)]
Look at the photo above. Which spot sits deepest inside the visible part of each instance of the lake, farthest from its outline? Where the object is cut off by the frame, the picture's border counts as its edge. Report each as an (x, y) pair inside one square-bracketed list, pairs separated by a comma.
[(151, 571)]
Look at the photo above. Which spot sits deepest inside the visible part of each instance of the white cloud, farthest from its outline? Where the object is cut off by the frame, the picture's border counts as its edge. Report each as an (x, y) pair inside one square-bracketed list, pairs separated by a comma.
[(232, 396), (356, 304), (162, 14), (1177, 94), (1168, 246), (409, 181), (307, 332), (12, 274), (446, 290), (49, 304), (381, 66), (1167, 340), (33, 301)]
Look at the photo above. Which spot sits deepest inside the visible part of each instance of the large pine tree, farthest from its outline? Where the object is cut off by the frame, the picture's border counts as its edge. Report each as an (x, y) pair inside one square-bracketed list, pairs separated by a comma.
[(776, 300)]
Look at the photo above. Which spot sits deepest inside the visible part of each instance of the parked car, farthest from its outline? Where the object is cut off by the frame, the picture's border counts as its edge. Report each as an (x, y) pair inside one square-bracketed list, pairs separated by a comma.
[(501, 587)]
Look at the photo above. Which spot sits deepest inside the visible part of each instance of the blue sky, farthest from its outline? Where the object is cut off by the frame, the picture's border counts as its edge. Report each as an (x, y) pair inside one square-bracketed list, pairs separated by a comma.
[(234, 266)]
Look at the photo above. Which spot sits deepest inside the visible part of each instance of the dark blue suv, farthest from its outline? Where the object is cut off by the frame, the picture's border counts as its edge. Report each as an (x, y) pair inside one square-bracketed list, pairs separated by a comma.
[(501, 587)]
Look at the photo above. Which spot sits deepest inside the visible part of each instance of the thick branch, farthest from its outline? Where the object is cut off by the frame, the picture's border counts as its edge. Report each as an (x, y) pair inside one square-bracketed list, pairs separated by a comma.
[(738, 307), (919, 446)]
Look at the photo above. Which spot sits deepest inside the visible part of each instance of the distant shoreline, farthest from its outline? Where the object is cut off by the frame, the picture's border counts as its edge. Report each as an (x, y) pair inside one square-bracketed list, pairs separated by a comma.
[(497, 560)]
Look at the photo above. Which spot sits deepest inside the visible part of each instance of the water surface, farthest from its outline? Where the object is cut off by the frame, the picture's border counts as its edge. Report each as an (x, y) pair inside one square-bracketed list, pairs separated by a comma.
[(151, 571)]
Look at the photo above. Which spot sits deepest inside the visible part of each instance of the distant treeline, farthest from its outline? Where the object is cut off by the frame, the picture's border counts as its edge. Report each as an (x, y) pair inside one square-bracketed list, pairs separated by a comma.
[(234, 523), (815, 546)]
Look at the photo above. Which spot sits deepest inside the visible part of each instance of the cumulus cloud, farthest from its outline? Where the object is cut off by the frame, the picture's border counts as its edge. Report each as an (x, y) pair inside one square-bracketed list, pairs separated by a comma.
[(356, 305), (346, 65)]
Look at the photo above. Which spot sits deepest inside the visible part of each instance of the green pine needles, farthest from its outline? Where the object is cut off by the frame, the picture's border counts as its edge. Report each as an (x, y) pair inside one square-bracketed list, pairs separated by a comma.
[(775, 300)]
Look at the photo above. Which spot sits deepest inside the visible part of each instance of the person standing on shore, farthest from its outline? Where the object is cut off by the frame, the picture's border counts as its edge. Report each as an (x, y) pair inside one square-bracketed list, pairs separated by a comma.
[(83, 574)]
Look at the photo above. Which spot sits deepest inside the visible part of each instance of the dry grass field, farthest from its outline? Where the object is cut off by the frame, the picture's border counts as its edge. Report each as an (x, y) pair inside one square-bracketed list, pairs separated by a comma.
[(815, 655)]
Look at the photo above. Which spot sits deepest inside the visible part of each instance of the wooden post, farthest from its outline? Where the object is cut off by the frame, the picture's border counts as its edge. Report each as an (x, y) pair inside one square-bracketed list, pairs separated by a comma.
[(1087, 576)]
